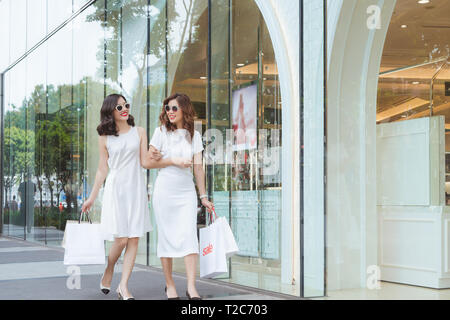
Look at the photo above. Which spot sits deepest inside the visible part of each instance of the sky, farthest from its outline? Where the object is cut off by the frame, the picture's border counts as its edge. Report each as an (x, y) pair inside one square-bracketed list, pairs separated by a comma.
[(21, 33), (61, 61)]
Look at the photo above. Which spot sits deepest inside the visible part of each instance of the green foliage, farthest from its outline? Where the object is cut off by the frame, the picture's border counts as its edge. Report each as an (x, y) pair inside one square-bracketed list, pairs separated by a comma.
[(42, 217), (46, 144)]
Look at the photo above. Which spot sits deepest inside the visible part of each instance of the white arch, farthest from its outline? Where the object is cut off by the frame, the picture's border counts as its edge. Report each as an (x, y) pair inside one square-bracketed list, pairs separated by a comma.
[(354, 63), (282, 20)]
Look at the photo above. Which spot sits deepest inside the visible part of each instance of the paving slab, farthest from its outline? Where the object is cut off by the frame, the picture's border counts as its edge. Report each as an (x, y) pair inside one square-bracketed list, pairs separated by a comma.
[(31, 271)]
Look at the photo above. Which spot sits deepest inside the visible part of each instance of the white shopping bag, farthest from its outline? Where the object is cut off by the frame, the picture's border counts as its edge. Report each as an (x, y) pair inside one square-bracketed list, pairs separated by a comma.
[(213, 260), (83, 243), (230, 244)]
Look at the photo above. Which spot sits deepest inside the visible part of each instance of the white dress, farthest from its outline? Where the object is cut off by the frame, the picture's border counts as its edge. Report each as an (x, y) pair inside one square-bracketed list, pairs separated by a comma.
[(174, 197), (125, 211)]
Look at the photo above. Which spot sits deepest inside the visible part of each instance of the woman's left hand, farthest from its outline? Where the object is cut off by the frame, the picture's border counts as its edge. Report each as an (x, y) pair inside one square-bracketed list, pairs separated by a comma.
[(154, 153), (208, 204)]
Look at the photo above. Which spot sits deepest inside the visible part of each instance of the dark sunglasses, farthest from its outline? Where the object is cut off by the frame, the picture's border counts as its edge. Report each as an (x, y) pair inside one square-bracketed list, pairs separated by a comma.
[(174, 108), (119, 107)]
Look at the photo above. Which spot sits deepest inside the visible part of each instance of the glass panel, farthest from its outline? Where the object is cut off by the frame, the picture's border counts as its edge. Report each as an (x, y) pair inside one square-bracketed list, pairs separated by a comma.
[(17, 43), (77, 4), (36, 153), (313, 155), (126, 72), (10, 202), (15, 150), (157, 63), (187, 38), (134, 74), (247, 117), (57, 12), (88, 80), (387, 135), (4, 33), (59, 127), (216, 155), (36, 21), (113, 53)]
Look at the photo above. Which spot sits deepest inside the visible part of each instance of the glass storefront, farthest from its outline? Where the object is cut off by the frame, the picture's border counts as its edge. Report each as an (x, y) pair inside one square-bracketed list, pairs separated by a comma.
[(224, 54), (387, 145), (324, 125)]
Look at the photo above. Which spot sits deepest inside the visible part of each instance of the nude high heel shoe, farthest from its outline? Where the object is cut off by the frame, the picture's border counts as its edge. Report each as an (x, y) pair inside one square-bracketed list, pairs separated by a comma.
[(121, 296), (174, 298)]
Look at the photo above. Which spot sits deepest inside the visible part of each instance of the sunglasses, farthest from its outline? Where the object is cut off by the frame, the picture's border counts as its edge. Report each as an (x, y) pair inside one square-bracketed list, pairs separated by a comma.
[(119, 107), (174, 108)]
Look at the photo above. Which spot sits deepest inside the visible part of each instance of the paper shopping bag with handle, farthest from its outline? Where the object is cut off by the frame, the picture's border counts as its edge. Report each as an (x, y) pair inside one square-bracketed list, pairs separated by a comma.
[(213, 260), (83, 243), (230, 245)]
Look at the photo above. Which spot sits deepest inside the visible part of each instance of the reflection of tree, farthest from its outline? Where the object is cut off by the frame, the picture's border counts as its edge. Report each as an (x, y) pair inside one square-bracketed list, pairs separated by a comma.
[(118, 14), (17, 159), (43, 165), (120, 18), (187, 18), (49, 145), (64, 128)]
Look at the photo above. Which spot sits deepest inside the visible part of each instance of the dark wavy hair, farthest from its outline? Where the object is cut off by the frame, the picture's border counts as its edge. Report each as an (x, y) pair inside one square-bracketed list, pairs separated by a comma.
[(188, 113), (107, 124)]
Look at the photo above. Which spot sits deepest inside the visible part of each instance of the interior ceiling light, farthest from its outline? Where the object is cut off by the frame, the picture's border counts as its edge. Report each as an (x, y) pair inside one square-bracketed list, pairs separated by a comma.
[(416, 82), (423, 1), (240, 64), (404, 26), (203, 78)]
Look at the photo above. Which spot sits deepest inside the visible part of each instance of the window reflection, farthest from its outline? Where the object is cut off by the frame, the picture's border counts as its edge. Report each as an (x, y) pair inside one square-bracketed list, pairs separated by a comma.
[(57, 12), (36, 16), (55, 94)]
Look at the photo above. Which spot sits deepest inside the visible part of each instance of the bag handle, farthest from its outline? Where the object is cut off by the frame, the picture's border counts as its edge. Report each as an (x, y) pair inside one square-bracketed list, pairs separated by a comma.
[(87, 216), (211, 217)]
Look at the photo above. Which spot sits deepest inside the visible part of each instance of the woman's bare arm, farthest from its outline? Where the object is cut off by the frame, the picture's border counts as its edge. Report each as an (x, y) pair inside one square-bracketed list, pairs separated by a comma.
[(103, 168), (199, 174), (100, 176), (150, 157)]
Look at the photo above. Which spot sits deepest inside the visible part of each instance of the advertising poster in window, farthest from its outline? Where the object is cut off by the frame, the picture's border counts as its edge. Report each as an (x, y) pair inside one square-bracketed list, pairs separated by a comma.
[(244, 118)]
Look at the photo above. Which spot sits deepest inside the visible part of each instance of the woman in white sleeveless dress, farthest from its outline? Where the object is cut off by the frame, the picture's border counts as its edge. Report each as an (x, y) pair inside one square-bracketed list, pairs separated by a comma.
[(174, 197), (125, 215)]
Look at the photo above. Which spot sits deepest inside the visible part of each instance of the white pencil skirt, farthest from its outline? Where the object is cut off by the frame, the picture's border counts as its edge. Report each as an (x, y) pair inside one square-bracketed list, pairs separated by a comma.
[(175, 208)]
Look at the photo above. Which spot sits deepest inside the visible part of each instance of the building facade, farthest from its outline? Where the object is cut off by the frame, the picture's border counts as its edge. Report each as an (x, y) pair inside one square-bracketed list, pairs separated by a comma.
[(315, 117)]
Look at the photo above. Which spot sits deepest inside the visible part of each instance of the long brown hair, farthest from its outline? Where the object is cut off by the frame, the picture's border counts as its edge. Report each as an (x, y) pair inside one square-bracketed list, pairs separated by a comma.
[(107, 124), (188, 113)]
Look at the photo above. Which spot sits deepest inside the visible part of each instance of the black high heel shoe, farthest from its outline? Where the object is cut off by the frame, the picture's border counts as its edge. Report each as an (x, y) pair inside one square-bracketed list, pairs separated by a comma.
[(175, 298), (192, 298), (104, 289)]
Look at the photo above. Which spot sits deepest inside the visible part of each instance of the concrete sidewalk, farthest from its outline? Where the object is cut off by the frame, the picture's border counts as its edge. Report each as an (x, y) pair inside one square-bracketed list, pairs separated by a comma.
[(30, 271)]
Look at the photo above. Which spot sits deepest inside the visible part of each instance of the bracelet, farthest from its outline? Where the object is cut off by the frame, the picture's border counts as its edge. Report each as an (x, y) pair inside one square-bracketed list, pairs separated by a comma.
[(203, 196)]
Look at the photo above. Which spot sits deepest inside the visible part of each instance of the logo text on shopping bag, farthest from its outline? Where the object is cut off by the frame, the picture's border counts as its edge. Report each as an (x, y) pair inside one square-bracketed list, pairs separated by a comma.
[(208, 249)]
